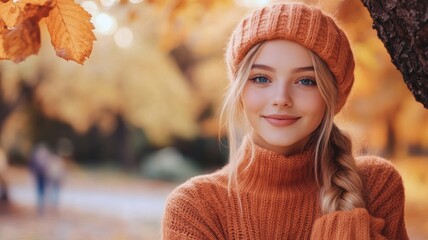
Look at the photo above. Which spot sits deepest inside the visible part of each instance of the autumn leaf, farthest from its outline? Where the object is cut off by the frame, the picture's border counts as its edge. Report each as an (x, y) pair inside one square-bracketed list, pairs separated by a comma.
[(36, 9), (9, 14), (3, 54), (68, 25), (71, 30), (21, 38), (22, 42)]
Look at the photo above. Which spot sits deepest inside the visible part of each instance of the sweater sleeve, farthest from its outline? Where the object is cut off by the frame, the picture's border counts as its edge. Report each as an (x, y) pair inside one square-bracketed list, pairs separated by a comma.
[(188, 215), (355, 224), (383, 217), (384, 194)]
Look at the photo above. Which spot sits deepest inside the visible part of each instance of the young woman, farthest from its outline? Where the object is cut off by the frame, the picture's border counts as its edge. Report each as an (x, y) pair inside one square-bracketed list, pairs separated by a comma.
[(291, 172)]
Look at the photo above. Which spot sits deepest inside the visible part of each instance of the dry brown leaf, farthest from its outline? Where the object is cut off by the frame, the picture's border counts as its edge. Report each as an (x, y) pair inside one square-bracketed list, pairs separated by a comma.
[(33, 2), (22, 42), (71, 30), (3, 54), (2, 26), (22, 37), (9, 13), (34, 8)]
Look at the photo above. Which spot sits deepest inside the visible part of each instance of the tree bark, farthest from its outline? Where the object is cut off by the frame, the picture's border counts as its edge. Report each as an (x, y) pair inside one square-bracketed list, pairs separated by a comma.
[(402, 26)]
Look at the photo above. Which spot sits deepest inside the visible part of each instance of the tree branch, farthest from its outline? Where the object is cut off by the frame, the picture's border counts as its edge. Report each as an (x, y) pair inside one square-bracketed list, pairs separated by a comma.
[(402, 26)]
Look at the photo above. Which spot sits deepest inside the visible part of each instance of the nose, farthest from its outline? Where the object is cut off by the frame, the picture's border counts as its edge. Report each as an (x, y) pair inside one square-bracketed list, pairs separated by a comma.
[(282, 97)]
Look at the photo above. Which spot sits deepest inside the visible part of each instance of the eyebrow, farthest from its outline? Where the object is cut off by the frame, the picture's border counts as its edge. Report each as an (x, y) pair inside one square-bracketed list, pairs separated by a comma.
[(295, 70)]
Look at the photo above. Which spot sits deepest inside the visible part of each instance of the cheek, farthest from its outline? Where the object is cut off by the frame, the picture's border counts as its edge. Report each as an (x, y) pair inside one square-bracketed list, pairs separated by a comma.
[(251, 100), (319, 107), (314, 104)]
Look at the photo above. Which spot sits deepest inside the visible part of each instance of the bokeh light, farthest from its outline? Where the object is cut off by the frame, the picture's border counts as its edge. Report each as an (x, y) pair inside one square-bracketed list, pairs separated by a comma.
[(91, 7), (123, 37), (105, 24)]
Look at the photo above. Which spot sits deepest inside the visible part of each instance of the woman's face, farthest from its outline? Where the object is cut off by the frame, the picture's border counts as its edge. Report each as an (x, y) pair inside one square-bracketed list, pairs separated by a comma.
[(281, 99)]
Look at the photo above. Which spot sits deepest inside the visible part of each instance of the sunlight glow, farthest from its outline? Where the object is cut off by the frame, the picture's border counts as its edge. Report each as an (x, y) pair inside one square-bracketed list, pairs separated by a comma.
[(135, 1), (91, 7), (123, 37), (108, 3), (105, 24), (252, 3)]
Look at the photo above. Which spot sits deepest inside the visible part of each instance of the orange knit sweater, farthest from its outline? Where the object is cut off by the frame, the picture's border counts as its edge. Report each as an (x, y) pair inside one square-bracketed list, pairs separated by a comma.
[(280, 200)]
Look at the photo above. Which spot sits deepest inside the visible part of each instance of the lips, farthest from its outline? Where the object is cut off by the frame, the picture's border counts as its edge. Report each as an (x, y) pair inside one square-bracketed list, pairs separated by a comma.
[(278, 120)]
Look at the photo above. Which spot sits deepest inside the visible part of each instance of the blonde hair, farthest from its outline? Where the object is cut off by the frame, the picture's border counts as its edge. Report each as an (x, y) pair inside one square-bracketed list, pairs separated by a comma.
[(335, 167), (341, 184), (232, 115)]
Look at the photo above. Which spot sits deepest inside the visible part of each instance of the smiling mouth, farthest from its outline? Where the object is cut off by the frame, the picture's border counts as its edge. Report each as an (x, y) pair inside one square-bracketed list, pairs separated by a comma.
[(280, 120)]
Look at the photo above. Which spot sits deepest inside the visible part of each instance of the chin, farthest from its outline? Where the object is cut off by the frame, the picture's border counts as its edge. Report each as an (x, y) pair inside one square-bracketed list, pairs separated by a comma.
[(286, 144), (281, 144)]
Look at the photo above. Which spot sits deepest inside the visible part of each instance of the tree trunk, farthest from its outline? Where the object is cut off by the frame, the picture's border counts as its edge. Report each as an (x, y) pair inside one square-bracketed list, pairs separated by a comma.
[(26, 94), (402, 26), (4, 196)]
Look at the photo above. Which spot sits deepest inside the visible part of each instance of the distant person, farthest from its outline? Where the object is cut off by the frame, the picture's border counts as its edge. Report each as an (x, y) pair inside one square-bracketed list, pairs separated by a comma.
[(38, 165), (55, 173), (291, 171), (3, 184), (49, 171)]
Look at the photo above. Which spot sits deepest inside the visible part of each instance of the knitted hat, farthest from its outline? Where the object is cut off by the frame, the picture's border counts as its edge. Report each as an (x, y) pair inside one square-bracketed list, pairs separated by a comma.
[(300, 23)]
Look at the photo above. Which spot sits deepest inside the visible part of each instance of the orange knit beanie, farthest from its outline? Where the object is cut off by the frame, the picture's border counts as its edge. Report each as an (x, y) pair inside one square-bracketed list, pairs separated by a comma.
[(303, 24)]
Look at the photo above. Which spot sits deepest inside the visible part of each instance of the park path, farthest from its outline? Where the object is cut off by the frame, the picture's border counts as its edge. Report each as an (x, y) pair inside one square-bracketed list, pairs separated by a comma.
[(93, 205)]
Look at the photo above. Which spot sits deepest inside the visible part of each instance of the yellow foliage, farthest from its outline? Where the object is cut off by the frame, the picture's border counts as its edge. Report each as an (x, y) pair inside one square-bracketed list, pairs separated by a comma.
[(412, 124), (180, 18), (142, 84), (158, 99)]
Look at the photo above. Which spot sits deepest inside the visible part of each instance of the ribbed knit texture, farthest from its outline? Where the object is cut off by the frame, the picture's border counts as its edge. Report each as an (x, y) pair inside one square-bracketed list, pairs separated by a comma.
[(280, 200), (303, 24)]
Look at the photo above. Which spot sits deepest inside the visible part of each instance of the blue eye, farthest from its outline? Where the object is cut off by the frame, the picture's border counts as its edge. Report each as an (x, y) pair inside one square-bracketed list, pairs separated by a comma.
[(307, 82), (259, 80)]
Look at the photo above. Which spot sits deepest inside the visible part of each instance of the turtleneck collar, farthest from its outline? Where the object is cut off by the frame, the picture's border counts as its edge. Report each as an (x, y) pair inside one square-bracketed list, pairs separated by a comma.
[(270, 169)]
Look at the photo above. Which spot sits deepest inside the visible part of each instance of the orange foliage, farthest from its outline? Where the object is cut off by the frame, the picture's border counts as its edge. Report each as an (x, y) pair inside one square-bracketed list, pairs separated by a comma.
[(68, 24)]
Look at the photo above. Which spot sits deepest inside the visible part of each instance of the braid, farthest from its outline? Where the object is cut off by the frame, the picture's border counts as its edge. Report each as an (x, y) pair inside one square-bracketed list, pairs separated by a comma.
[(341, 184), (341, 189)]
